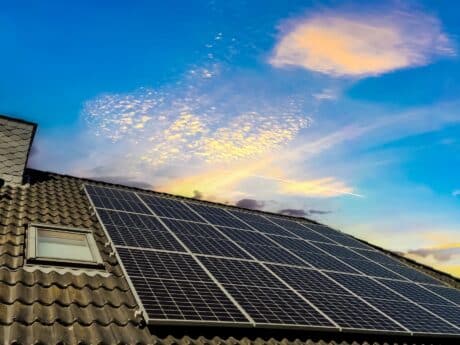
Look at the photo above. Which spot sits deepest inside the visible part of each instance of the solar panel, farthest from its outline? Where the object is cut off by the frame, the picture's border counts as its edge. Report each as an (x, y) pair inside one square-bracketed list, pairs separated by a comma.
[(377, 257), (344, 308), (203, 238), (264, 297), (372, 269), (298, 230), (261, 223), (364, 286), (173, 286), (194, 263), (340, 251), (218, 216), (449, 313), (272, 254), (412, 274), (169, 208), (337, 236), (414, 292), (409, 314), (137, 230), (116, 199), (413, 317), (452, 295), (312, 255)]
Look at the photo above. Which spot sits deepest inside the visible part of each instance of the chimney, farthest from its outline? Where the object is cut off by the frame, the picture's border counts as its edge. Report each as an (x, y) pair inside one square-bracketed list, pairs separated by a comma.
[(15, 141)]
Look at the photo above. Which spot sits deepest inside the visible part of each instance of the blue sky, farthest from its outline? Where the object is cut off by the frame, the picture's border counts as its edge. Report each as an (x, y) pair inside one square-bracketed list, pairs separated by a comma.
[(339, 111)]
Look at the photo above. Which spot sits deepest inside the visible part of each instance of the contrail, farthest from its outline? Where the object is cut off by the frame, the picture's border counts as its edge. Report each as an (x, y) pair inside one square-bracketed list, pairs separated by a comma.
[(293, 182)]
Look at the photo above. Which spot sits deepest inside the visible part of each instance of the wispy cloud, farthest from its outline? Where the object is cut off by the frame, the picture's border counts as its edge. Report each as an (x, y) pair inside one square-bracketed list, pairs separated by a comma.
[(354, 43)]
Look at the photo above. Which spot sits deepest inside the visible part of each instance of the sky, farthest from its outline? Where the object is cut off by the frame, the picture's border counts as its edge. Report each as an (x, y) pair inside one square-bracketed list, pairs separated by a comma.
[(340, 111)]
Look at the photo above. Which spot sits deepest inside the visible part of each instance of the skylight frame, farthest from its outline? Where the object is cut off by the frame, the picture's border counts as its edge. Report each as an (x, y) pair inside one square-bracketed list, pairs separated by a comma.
[(33, 257)]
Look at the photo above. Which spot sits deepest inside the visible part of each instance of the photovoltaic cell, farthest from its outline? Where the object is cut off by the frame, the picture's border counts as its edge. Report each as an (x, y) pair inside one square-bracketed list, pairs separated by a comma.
[(262, 295), (218, 216), (414, 292), (345, 309), (340, 251), (243, 236), (213, 246), (412, 274), (449, 313), (307, 279), (237, 272), (312, 255), (451, 294), (129, 229), (325, 262), (183, 300), (364, 286), (272, 254), (177, 288), (193, 229), (116, 199), (261, 224), (276, 306), (299, 230), (337, 236), (170, 208), (413, 317), (372, 269), (350, 312), (322, 229), (377, 257), (349, 241)]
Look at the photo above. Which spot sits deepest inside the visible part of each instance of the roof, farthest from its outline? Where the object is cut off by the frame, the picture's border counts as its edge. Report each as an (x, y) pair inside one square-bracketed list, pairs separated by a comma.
[(16, 137), (50, 307)]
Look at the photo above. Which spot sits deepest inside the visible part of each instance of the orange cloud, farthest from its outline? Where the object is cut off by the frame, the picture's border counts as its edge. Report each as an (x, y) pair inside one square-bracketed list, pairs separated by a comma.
[(346, 45)]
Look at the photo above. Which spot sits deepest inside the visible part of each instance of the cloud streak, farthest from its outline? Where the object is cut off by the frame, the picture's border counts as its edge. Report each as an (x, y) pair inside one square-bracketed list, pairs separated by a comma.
[(360, 44)]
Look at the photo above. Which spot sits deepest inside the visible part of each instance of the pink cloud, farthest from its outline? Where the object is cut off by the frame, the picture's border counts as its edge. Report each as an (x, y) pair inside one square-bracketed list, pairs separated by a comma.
[(345, 44)]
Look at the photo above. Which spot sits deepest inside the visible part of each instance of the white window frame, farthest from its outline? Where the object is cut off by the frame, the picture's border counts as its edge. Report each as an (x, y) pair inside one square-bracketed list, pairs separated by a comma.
[(32, 244)]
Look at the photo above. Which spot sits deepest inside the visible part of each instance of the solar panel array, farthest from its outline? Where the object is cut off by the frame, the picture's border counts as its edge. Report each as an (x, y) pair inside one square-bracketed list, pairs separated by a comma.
[(190, 262)]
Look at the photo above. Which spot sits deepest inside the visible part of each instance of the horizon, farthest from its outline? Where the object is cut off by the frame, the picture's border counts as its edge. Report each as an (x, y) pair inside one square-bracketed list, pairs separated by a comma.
[(339, 112)]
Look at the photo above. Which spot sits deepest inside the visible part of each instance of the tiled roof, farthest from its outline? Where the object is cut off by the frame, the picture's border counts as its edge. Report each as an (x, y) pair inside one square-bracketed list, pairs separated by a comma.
[(50, 307), (15, 139), (44, 306)]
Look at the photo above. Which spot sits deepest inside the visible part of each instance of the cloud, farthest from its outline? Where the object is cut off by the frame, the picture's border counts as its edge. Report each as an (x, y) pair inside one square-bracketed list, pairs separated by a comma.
[(456, 192), (361, 44), (319, 212), (251, 204), (325, 95), (440, 254), (445, 258), (185, 124), (293, 212)]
